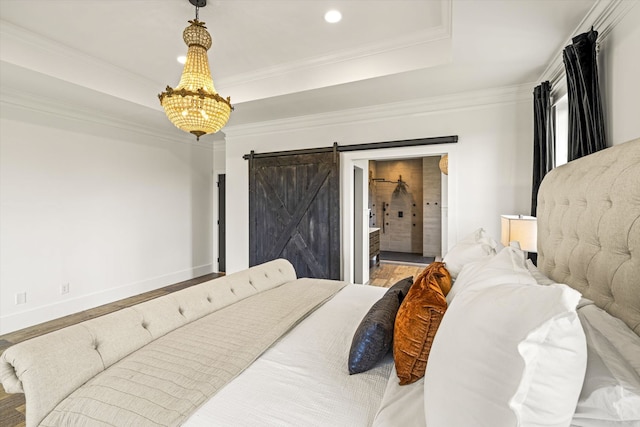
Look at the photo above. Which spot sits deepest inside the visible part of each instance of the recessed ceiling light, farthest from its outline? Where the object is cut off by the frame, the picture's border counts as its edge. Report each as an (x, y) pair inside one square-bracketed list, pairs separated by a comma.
[(182, 59), (333, 16)]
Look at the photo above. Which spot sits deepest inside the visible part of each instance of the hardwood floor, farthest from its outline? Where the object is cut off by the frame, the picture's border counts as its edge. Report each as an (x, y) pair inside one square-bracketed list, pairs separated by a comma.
[(387, 274), (12, 406)]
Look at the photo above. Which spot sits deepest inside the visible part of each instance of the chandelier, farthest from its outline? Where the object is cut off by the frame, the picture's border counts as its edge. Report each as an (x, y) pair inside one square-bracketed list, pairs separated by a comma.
[(443, 164), (194, 105)]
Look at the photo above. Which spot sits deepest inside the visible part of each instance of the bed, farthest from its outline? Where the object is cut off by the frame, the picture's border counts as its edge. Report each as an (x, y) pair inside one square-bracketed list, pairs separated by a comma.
[(555, 344)]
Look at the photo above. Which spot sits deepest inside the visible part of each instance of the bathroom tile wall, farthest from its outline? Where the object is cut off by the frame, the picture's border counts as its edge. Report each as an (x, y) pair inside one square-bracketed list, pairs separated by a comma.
[(409, 221), (397, 205), (431, 207)]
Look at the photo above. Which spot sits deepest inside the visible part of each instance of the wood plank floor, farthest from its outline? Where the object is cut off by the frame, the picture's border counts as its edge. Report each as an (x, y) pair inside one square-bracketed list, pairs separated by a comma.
[(12, 406), (387, 274)]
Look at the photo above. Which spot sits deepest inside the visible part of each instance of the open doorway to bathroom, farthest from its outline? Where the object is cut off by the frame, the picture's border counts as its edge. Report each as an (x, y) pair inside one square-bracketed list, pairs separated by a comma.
[(405, 215), (358, 158)]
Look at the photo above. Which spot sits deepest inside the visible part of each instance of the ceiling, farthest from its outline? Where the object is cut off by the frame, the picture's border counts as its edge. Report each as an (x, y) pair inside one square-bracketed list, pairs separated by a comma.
[(276, 58)]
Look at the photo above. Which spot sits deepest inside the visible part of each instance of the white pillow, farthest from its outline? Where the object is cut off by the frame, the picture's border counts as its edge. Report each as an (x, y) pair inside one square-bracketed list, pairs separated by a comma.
[(611, 391), (507, 355), (508, 266), (543, 280), (538, 275), (477, 246), (402, 405)]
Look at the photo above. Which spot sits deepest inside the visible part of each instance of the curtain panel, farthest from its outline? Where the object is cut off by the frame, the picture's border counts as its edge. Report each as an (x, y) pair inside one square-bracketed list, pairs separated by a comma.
[(586, 117), (544, 148)]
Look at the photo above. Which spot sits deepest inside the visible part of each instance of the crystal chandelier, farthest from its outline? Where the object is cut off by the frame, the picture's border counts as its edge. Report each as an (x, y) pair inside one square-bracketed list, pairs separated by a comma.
[(195, 106), (444, 164)]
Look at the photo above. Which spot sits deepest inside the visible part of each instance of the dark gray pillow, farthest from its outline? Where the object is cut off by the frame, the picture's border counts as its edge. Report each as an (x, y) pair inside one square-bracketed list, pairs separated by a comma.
[(373, 338), (402, 286)]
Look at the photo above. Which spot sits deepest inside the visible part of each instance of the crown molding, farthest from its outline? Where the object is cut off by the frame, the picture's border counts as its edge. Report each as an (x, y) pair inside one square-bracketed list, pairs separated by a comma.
[(32, 104), (424, 37), (30, 50), (603, 16), (416, 39), (219, 145), (415, 108)]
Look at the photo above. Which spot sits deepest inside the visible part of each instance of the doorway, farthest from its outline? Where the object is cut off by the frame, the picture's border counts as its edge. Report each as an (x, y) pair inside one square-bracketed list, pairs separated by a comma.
[(222, 258), (359, 221), (445, 229)]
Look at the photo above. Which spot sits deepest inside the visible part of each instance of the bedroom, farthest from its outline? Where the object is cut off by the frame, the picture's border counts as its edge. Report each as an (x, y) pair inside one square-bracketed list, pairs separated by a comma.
[(54, 220), (123, 203)]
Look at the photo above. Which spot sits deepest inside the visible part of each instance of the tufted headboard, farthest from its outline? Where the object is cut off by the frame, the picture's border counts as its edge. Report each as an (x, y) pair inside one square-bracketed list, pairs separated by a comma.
[(589, 229)]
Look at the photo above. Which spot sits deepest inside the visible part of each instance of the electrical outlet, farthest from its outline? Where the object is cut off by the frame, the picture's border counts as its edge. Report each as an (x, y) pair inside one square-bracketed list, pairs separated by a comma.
[(64, 289), (21, 298)]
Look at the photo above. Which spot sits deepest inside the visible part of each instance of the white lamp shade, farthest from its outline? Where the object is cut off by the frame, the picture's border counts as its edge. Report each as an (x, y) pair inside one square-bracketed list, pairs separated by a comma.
[(522, 229)]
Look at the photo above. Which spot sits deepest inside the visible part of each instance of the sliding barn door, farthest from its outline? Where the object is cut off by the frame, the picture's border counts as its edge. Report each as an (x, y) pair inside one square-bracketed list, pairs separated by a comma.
[(294, 212)]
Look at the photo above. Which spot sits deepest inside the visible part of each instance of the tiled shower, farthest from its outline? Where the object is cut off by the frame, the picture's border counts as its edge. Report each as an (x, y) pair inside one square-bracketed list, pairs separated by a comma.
[(404, 198)]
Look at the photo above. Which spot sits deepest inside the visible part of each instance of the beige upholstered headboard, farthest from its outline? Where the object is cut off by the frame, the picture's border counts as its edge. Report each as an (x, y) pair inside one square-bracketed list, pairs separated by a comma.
[(589, 229)]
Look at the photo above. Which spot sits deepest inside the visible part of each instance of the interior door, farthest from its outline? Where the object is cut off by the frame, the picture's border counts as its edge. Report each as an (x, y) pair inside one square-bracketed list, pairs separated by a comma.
[(294, 212), (222, 223)]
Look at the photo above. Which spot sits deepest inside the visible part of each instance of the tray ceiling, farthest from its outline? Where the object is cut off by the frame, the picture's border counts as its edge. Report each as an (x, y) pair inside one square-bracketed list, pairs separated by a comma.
[(279, 58)]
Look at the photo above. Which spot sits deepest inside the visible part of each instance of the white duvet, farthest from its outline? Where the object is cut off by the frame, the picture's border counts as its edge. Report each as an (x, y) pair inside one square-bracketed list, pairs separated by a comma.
[(303, 379)]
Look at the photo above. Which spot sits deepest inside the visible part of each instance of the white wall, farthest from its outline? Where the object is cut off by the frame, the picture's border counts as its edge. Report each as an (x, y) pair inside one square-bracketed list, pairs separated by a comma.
[(489, 168), (111, 213), (619, 68)]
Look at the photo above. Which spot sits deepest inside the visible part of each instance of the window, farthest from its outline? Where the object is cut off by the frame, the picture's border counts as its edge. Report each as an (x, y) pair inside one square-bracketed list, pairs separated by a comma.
[(561, 109)]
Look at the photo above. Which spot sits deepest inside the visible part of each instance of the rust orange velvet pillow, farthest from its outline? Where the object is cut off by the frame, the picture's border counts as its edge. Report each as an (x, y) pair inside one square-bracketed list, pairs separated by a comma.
[(417, 322)]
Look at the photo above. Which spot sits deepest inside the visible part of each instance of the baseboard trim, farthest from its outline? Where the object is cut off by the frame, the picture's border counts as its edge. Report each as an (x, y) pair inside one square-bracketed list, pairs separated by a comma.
[(45, 313)]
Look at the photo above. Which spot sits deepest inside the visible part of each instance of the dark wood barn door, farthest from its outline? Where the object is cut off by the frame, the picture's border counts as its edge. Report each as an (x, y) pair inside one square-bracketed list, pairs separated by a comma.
[(294, 212)]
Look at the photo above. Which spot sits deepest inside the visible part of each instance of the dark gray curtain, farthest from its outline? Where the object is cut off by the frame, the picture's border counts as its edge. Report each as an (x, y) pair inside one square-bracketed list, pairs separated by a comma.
[(544, 147), (586, 118)]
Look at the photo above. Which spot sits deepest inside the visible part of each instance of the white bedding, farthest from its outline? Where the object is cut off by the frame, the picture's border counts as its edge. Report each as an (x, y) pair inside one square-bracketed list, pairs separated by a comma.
[(303, 379), (610, 395)]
